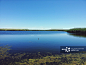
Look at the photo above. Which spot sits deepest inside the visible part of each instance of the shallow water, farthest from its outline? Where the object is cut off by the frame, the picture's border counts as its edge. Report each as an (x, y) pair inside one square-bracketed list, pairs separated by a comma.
[(39, 41)]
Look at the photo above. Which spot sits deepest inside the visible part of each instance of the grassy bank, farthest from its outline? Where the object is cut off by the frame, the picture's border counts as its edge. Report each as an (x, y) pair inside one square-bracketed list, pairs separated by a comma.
[(14, 29), (74, 30), (29, 30)]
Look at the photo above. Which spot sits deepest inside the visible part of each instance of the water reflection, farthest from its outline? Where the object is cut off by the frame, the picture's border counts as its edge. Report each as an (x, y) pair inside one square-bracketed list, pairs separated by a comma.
[(77, 35)]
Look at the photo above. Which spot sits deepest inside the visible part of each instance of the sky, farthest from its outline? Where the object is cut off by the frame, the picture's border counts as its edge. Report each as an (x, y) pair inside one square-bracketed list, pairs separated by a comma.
[(42, 14)]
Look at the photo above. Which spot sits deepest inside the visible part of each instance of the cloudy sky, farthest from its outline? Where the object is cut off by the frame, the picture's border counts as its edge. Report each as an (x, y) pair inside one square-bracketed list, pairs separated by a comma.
[(42, 14)]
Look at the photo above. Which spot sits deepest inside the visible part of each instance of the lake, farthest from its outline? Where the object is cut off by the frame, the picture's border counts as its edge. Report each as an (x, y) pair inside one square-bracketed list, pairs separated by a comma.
[(39, 41)]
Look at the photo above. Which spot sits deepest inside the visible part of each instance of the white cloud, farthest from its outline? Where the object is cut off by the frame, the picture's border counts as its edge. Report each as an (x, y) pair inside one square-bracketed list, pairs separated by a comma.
[(40, 28)]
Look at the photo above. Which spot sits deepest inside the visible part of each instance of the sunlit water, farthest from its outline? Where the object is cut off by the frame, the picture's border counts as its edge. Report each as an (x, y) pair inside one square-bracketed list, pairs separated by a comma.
[(39, 41)]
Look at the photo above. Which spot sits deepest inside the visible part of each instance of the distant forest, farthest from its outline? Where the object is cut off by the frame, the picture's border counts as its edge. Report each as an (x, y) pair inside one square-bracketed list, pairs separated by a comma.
[(74, 30), (29, 30), (77, 30)]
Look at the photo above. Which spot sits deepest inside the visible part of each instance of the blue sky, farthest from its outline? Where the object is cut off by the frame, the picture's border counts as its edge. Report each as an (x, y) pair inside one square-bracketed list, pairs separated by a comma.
[(42, 14)]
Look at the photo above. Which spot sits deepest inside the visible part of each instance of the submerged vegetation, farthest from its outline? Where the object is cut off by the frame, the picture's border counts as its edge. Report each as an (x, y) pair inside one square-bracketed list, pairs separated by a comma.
[(4, 51), (64, 59), (40, 59)]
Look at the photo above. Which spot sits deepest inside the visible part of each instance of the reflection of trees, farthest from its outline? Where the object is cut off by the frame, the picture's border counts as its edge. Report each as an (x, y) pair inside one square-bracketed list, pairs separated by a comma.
[(78, 34)]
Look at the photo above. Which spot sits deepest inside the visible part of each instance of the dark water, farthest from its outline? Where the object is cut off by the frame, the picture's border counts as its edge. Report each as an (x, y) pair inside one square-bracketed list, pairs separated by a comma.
[(39, 41)]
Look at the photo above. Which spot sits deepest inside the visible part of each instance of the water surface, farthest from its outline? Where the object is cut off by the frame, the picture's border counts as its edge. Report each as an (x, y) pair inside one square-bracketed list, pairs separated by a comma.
[(39, 41)]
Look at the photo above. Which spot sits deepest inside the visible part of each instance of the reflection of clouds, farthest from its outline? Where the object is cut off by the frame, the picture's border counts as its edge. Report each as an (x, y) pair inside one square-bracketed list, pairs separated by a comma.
[(32, 28), (35, 35), (39, 35), (30, 42), (39, 28), (31, 35)]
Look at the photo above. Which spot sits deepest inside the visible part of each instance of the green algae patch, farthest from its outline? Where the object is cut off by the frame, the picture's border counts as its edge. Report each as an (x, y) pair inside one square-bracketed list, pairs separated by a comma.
[(64, 59)]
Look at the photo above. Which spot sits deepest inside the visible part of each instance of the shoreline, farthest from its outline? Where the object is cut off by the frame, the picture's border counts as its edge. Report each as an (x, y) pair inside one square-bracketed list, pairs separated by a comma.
[(74, 30)]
